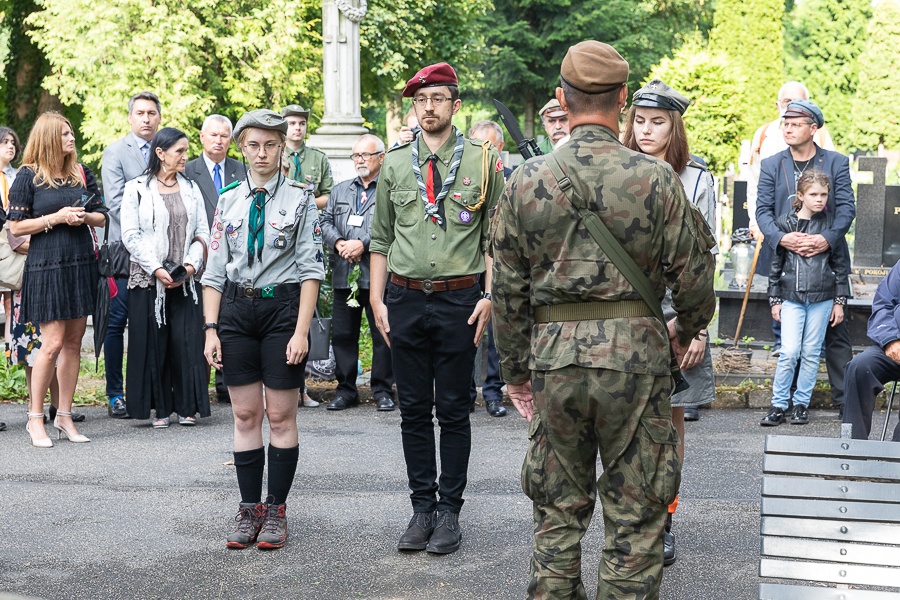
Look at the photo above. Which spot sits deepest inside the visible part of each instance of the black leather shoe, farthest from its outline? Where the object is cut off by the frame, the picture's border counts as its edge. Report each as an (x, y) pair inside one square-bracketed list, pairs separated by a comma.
[(2, 426), (800, 416), (116, 409), (417, 532), (447, 534), (668, 543), (775, 417), (341, 403), (691, 413), (76, 417), (384, 403), (495, 408), (222, 395)]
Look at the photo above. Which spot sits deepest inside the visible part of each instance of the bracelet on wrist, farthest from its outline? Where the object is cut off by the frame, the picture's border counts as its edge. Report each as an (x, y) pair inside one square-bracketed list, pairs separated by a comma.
[(214, 326), (774, 300), (840, 300)]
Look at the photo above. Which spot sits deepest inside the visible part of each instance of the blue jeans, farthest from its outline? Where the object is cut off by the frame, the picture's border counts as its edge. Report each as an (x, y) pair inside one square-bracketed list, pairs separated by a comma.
[(803, 328), (114, 345)]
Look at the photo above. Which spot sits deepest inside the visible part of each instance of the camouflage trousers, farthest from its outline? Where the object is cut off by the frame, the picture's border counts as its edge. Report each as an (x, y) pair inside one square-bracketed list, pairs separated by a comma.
[(626, 417)]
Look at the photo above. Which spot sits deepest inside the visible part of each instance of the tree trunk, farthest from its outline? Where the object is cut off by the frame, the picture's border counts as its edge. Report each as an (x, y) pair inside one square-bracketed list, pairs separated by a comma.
[(529, 114), (394, 119), (25, 71)]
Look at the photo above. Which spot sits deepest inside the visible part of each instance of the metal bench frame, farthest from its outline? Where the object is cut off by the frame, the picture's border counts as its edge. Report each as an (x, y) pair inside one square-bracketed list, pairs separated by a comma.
[(830, 514)]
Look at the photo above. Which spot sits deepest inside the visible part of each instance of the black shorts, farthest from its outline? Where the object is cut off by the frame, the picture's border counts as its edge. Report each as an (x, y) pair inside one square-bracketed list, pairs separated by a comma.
[(254, 333)]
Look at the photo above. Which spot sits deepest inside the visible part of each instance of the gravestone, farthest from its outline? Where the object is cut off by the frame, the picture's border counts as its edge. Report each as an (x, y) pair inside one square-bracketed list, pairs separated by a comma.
[(871, 216), (740, 215)]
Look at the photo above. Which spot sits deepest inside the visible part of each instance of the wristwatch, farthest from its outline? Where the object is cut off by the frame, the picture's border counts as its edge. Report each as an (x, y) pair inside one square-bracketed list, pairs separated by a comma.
[(210, 326), (486, 296)]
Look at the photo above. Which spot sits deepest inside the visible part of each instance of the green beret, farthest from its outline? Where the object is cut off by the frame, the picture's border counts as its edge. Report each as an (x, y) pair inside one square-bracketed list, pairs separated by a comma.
[(593, 67), (262, 118)]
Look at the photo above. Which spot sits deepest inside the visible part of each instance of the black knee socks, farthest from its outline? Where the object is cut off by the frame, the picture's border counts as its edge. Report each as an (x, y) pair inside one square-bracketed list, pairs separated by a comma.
[(282, 466), (248, 466)]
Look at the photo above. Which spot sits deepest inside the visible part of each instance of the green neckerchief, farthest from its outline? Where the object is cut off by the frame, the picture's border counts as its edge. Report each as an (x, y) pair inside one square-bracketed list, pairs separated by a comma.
[(297, 172), (256, 225)]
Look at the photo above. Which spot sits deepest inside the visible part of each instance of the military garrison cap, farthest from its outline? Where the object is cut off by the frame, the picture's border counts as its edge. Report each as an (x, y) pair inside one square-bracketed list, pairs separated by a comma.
[(261, 119), (593, 67), (552, 109), (430, 76), (805, 108), (294, 110), (657, 94)]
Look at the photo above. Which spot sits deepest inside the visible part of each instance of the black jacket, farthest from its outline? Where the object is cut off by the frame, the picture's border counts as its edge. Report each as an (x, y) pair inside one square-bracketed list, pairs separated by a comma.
[(814, 279)]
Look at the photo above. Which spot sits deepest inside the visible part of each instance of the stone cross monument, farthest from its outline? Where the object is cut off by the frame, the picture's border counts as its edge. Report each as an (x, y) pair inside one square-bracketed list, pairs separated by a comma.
[(342, 121)]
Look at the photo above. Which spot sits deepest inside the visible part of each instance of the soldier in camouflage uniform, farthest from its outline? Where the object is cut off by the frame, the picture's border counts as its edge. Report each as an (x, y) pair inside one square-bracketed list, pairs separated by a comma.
[(591, 379)]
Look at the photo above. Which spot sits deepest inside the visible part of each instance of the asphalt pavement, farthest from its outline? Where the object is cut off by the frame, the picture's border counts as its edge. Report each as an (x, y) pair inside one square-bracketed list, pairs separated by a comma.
[(143, 513)]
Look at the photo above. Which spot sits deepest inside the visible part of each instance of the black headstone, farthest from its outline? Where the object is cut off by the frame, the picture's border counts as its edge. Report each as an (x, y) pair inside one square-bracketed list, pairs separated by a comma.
[(871, 216), (740, 216)]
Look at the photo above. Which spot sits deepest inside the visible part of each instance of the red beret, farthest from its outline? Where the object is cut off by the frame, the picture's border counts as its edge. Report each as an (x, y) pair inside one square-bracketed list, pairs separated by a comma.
[(430, 76)]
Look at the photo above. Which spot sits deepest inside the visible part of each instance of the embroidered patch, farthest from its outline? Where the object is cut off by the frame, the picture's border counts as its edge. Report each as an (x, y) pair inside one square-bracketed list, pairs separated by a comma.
[(465, 216), (499, 168), (217, 235), (317, 232), (467, 181), (230, 229), (457, 196), (219, 226), (214, 245)]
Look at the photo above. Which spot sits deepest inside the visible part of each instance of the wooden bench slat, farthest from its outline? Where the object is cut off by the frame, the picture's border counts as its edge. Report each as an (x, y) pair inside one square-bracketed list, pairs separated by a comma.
[(827, 529), (815, 466), (789, 444), (774, 591), (830, 509), (831, 489), (841, 552), (830, 572)]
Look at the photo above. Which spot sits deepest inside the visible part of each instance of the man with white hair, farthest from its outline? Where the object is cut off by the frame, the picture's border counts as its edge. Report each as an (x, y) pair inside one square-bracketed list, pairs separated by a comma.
[(214, 170), (346, 231)]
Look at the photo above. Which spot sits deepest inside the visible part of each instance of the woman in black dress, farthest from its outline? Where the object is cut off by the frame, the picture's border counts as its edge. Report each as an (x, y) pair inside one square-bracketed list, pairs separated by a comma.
[(54, 199)]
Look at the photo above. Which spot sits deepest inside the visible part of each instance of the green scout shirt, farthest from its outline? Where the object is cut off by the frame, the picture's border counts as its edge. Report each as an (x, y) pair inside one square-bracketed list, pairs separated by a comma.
[(314, 169), (417, 247), (543, 254)]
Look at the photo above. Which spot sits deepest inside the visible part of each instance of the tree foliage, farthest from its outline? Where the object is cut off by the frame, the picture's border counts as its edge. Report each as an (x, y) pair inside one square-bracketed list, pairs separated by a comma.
[(715, 119), (748, 34), (875, 117), (200, 57), (823, 42)]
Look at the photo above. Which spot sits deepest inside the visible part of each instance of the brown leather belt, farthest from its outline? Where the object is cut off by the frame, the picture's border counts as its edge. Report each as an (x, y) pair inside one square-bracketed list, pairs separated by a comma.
[(436, 285)]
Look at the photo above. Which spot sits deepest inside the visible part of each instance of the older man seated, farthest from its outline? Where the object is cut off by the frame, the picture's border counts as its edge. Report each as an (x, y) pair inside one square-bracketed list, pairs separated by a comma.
[(867, 373)]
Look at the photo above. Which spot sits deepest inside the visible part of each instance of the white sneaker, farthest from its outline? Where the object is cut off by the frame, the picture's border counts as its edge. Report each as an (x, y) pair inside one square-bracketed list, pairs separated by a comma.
[(308, 402)]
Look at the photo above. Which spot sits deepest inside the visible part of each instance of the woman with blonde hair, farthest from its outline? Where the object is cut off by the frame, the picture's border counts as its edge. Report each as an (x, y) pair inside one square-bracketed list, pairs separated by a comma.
[(55, 200)]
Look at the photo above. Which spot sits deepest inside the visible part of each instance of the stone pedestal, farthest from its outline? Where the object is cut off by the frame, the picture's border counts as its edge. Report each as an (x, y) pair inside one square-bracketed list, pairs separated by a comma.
[(342, 121)]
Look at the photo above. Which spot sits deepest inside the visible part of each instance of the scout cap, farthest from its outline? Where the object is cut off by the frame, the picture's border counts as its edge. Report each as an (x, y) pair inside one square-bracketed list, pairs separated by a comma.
[(593, 67), (260, 119), (430, 76), (657, 94), (294, 110), (552, 109), (805, 108)]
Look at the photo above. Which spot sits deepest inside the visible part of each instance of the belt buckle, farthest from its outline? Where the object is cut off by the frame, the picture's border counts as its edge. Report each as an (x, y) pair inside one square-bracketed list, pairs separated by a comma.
[(267, 292), (248, 292), (427, 286)]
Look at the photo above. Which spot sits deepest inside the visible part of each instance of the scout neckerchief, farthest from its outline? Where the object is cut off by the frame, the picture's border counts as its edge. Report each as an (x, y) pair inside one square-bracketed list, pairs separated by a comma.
[(256, 225), (297, 174), (433, 207)]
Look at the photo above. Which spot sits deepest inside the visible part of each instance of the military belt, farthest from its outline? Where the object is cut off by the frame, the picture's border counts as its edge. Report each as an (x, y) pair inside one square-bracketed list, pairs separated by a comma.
[(591, 311)]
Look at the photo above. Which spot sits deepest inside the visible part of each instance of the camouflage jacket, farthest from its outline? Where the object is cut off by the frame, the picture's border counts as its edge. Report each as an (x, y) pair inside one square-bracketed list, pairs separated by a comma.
[(543, 254)]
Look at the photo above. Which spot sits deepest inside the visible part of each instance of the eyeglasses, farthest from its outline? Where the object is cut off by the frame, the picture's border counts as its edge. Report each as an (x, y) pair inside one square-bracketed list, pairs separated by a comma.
[(796, 125), (436, 100), (364, 155), (254, 148)]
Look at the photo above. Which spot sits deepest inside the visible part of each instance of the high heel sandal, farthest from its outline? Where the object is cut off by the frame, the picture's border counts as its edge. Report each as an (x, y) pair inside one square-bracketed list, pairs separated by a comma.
[(39, 442), (76, 437)]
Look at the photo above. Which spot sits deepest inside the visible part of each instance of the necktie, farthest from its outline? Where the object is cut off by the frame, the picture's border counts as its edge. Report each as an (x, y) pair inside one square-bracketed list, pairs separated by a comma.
[(430, 177), (256, 227), (217, 177), (4, 185), (145, 151), (298, 176)]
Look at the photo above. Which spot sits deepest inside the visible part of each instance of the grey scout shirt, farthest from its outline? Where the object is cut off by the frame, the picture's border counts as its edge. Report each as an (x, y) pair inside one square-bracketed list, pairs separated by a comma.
[(345, 204), (291, 210)]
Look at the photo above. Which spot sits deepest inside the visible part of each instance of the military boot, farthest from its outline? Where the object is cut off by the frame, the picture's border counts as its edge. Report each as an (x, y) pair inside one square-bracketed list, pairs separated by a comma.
[(249, 519), (274, 529), (668, 543)]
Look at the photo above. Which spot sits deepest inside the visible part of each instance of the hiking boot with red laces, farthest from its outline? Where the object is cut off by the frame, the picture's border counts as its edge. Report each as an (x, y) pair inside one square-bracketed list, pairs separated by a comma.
[(274, 530), (249, 519)]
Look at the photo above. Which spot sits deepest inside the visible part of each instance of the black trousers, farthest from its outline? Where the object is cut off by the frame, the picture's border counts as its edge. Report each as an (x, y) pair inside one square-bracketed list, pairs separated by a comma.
[(433, 350), (865, 377), (345, 324)]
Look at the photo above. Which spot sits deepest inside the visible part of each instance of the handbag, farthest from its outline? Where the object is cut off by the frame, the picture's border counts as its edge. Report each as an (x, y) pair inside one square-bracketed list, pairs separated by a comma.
[(12, 264), (319, 337), (619, 257)]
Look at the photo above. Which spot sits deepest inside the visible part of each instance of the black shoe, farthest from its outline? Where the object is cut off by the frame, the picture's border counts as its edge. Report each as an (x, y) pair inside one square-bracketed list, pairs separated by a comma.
[(2, 426), (116, 408), (840, 408), (775, 417), (222, 396), (384, 403), (668, 543), (691, 413), (340, 403), (495, 408), (447, 534), (417, 532), (76, 417), (800, 416)]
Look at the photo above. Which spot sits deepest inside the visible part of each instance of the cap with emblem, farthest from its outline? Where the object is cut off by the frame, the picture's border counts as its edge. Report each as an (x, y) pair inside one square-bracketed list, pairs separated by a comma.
[(552, 109), (262, 118), (805, 108), (593, 67), (430, 76), (294, 110), (657, 94)]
